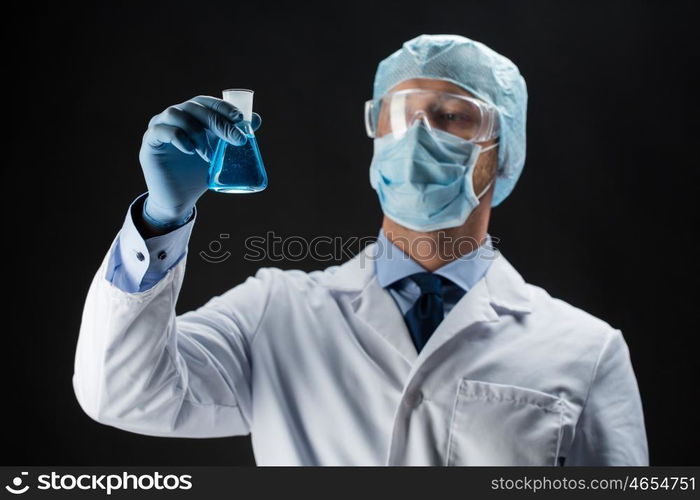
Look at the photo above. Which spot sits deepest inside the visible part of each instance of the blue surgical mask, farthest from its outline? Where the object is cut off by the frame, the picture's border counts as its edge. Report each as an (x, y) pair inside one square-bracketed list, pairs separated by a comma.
[(424, 178)]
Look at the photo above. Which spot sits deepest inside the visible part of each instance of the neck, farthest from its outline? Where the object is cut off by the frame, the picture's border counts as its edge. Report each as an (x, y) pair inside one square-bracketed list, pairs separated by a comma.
[(434, 249)]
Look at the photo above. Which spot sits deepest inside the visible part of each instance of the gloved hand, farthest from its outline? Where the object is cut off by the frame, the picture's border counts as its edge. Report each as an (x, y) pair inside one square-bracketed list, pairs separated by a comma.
[(175, 154)]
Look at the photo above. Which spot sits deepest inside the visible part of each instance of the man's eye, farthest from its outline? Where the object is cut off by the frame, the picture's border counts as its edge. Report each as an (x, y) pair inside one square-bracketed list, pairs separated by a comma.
[(455, 117)]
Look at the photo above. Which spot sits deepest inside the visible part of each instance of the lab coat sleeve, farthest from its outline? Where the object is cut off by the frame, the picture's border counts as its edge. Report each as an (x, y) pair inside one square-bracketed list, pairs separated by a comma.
[(611, 429), (141, 368), (139, 263)]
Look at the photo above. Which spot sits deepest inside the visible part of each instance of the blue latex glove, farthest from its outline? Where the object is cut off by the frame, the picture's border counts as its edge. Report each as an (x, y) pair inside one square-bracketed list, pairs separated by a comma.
[(175, 154)]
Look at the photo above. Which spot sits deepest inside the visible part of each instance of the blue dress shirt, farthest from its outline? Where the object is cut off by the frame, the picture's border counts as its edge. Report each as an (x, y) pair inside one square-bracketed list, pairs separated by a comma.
[(393, 267), (138, 263)]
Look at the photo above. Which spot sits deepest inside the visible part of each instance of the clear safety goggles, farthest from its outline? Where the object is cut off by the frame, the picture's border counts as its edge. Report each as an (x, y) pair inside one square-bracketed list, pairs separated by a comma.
[(460, 115)]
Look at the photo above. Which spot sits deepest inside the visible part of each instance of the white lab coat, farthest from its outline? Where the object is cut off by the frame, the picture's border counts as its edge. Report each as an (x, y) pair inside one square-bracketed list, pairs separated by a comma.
[(320, 369)]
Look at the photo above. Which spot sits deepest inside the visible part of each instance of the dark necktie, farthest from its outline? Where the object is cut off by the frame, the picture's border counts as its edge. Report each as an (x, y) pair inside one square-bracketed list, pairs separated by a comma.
[(427, 312)]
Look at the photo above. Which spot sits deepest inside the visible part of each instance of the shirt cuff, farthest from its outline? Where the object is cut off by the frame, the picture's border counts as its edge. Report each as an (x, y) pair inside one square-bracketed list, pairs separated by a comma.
[(139, 263)]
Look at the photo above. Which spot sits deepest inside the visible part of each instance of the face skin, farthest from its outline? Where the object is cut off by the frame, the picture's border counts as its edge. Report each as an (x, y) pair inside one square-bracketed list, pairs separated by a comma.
[(434, 249)]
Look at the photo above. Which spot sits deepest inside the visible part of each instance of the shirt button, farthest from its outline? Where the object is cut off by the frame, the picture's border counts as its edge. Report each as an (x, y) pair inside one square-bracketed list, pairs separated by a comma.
[(140, 256), (413, 399), (162, 255)]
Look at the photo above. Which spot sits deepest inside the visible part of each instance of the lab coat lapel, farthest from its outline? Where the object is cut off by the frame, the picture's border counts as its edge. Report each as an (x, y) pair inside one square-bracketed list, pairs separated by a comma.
[(372, 304), (376, 307), (473, 307), (501, 291)]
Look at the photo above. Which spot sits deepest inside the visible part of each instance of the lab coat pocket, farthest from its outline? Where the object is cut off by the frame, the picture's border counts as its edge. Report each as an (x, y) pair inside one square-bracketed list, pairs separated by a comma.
[(499, 424)]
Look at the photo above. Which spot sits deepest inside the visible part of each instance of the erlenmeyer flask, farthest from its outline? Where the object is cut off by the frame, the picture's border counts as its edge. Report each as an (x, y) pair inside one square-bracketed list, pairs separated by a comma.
[(238, 169)]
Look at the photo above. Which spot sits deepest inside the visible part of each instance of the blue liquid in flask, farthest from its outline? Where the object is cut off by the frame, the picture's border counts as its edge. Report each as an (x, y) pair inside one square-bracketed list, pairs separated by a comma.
[(237, 169)]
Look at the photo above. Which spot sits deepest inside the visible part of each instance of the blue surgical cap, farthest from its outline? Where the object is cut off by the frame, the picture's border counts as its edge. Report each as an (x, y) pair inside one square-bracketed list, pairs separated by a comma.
[(486, 74)]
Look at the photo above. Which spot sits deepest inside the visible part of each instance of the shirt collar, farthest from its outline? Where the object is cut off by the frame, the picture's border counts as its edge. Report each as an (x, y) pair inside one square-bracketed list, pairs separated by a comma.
[(392, 264)]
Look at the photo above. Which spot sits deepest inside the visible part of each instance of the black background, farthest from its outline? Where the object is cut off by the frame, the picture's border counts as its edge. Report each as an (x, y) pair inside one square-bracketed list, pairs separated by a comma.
[(603, 217)]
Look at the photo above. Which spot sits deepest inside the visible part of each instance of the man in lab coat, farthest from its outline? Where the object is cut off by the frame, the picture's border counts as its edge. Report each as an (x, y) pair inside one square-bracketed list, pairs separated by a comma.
[(427, 348)]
